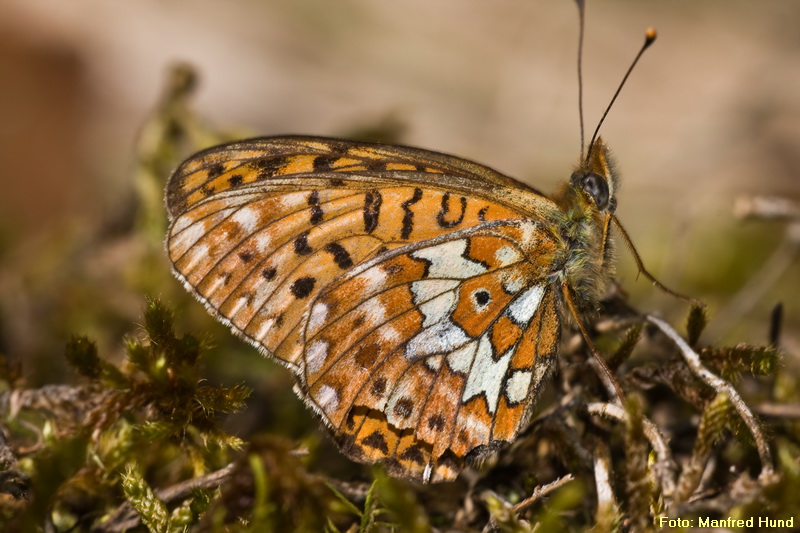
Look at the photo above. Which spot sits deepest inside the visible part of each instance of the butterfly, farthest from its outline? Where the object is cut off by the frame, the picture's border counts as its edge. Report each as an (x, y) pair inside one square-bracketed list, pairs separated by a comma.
[(418, 298)]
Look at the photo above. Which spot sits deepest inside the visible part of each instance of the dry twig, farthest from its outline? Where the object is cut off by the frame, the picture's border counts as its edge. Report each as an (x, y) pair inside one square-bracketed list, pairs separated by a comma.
[(664, 469), (125, 517), (721, 387), (542, 491)]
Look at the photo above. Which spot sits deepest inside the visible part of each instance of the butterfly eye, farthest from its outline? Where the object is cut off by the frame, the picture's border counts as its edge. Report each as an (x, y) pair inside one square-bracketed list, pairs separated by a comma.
[(597, 188)]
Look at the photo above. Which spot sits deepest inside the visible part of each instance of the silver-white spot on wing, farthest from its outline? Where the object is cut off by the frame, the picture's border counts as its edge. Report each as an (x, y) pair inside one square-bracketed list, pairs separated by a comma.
[(507, 255), (442, 337), (512, 282), (263, 242), (428, 289), (389, 334), (525, 305), (434, 363), (218, 282), (240, 303), (318, 314), (316, 354), (447, 261), (529, 234), (248, 218), (375, 279), (440, 334), (438, 309), (266, 326), (460, 360), (327, 398), (517, 385), (487, 375)]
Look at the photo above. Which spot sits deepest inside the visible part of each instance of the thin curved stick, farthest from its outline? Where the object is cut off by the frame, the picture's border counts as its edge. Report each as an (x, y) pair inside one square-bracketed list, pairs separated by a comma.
[(542, 491), (125, 517), (721, 386), (607, 506), (665, 470)]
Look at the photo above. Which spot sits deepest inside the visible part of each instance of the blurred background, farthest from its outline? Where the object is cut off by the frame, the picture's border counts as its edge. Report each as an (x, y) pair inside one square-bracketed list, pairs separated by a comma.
[(711, 114)]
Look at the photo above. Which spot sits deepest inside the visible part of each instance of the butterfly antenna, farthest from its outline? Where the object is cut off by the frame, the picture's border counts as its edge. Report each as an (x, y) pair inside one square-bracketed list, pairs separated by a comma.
[(581, 23), (649, 38), (646, 273)]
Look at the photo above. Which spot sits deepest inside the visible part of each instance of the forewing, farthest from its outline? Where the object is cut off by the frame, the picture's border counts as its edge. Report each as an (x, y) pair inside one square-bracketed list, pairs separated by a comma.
[(278, 161)]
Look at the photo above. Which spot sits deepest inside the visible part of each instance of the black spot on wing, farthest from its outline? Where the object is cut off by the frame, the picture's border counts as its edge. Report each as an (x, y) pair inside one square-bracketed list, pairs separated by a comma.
[(392, 269), (482, 297), (450, 460), (379, 387), (249, 297), (408, 216), (372, 210), (316, 210), (404, 407), (215, 171), (377, 441), (436, 422), (235, 180), (340, 255), (301, 246), (302, 287), (441, 216), (269, 273), (246, 256), (414, 454), (267, 167), (324, 162), (375, 165), (351, 423)]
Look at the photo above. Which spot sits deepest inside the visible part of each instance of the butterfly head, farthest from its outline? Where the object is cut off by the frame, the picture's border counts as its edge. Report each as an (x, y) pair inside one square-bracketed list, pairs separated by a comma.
[(596, 178)]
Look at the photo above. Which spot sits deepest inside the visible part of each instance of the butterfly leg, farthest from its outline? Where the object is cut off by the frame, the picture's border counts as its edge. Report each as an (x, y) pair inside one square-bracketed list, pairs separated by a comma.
[(606, 375)]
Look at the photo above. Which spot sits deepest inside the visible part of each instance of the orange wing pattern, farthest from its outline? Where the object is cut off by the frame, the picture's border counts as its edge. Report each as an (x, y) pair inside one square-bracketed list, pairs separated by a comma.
[(433, 353), (407, 290)]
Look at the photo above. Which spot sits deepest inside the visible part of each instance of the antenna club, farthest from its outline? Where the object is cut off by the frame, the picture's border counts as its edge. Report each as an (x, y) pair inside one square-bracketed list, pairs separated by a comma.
[(649, 36)]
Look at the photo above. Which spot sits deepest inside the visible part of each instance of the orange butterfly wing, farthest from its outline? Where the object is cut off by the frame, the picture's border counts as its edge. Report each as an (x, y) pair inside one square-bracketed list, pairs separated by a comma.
[(433, 352), (408, 290)]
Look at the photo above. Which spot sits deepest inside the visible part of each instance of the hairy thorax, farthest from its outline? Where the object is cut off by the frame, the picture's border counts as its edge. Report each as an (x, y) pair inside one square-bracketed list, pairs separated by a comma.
[(584, 259)]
